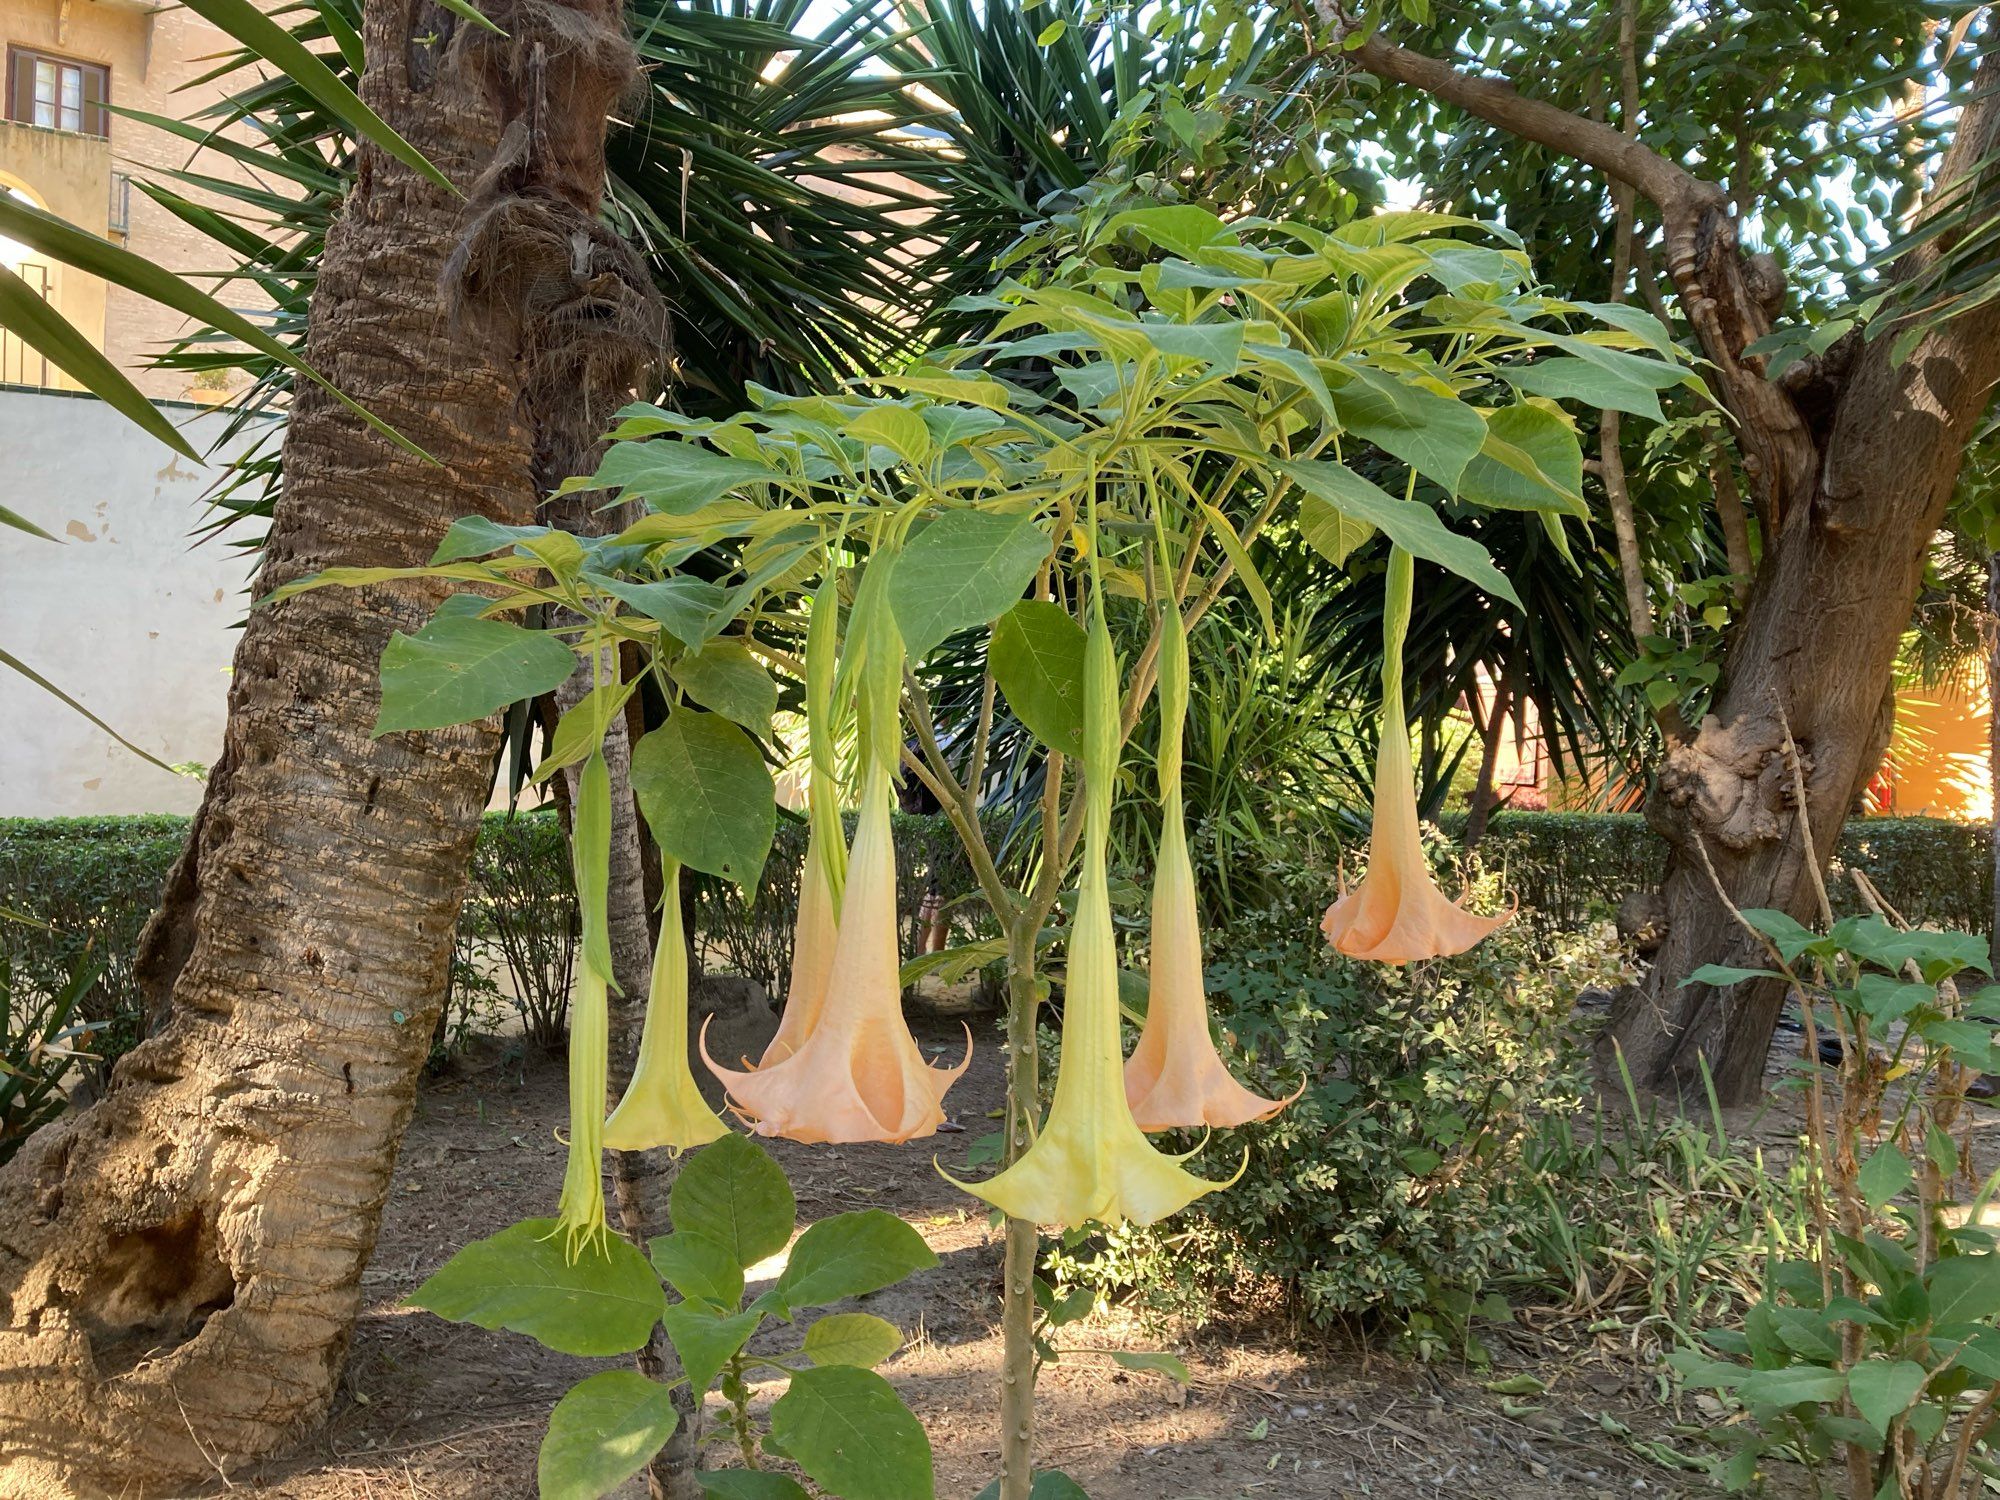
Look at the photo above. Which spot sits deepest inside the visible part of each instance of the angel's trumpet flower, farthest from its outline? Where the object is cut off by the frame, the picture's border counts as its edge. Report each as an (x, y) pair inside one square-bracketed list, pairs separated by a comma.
[(1175, 1078), (1091, 1163), (1397, 915), (858, 1075), (580, 1212), (825, 868), (662, 1106)]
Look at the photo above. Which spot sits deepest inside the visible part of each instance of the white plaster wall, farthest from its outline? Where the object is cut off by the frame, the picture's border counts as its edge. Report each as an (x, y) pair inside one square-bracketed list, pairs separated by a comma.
[(130, 615)]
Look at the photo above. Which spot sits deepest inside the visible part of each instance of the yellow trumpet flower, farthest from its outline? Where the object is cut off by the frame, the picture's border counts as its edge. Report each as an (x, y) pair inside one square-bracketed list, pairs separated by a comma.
[(825, 869), (858, 1075), (1397, 915), (1091, 1162), (580, 1211), (1175, 1078), (662, 1106)]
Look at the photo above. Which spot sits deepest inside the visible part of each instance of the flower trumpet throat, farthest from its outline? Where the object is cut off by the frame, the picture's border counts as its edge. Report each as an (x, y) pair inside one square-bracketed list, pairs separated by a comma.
[(1397, 915), (1175, 1077), (858, 1075), (1091, 1163), (662, 1106)]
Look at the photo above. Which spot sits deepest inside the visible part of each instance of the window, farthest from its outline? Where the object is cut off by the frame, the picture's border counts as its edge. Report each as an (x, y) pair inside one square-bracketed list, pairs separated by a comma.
[(57, 93)]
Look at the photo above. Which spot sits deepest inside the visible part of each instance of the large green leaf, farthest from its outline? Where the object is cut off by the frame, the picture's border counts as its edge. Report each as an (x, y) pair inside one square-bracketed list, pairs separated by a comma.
[(1964, 1289), (458, 669), (604, 1302), (727, 677), (1612, 388), (1883, 1389), (851, 1433), (672, 477), (603, 1432), (850, 1255), (749, 1484), (707, 795), (1413, 526), (691, 609), (1435, 434), (851, 1339), (706, 1339), (1037, 660), (966, 568), (1531, 461), (1048, 1484), (734, 1194), (46, 331), (698, 1267)]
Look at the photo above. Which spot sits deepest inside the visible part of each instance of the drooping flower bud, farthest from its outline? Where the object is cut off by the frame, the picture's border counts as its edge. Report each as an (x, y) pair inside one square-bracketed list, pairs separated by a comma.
[(580, 1212)]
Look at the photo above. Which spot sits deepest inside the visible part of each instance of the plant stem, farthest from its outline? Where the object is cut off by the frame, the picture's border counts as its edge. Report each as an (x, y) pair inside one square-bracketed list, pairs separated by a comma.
[(1017, 1291)]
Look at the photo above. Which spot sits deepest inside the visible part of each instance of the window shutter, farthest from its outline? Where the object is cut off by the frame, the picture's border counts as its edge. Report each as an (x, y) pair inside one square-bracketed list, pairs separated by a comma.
[(21, 86), (96, 118)]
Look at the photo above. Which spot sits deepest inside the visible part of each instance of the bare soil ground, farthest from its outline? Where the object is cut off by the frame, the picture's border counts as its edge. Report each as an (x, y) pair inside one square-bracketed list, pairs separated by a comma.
[(434, 1410)]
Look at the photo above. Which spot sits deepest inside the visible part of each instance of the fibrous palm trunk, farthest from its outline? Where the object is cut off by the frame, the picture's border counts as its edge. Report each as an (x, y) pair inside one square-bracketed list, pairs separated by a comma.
[(180, 1264)]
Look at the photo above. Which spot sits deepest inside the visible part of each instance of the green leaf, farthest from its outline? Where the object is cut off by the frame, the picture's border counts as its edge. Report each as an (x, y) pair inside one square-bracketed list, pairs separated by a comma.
[(898, 428), (1883, 1389), (1964, 1289), (1592, 383), (1885, 1174), (478, 536), (690, 608), (605, 1302), (14, 518), (698, 1267), (674, 477), (581, 729), (1724, 974), (1531, 460), (1333, 532), (284, 51), (47, 332), (1413, 526), (965, 568), (1246, 569), (749, 1484), (727, 677), (458, 669), (1047, 1484), (733, 1193), (1037, 659), (707, 795), (852, 1339), (603, 1432), (1051, 33), (1182, 229), (1435, 434), (849, 1255), (1154, 1361), (851, 1433), (1790, 1385), (1784, 931), (14, 663), (705, 1339)]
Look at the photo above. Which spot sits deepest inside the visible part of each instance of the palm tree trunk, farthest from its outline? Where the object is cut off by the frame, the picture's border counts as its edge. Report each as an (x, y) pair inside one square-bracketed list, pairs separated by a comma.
[(180, 1264)]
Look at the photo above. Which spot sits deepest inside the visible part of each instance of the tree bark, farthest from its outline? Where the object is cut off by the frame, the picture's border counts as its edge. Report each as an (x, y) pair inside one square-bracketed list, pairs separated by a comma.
[(1852, 458), (180, 1264)]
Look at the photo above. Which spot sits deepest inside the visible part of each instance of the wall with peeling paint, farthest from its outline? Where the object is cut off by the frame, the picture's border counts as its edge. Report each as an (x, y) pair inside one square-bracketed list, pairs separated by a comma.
[(131, 615)]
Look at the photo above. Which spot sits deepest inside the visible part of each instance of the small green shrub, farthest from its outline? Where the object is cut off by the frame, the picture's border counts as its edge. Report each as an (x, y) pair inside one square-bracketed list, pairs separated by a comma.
[(520, 909), (41, 1039)]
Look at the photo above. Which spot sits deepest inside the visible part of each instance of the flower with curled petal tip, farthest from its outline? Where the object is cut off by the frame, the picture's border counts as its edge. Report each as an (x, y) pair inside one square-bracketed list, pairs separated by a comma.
[(858, 1075), (1175, 1078), (825, 869), (1397, 915), (662, 1106), (1091, 1163)]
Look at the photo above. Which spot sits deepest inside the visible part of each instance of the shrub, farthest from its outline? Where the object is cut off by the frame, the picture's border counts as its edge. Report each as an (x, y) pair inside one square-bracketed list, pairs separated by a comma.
[(1395, 1184), (522, 908)]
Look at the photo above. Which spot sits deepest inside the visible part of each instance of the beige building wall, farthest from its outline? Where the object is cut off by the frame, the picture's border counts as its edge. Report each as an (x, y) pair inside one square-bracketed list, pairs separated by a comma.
[(150, 52)]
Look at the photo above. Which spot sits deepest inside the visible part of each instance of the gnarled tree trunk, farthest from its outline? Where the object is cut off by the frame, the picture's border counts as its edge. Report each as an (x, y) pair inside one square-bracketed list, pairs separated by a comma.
[(180, 1264)]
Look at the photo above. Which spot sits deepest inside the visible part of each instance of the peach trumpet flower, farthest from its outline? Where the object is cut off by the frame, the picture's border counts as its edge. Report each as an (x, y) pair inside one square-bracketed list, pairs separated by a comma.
[(1091, 1163), (1175, 1078), (825, 869), (858, 1075), (662, 1106), (1397, 915)]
